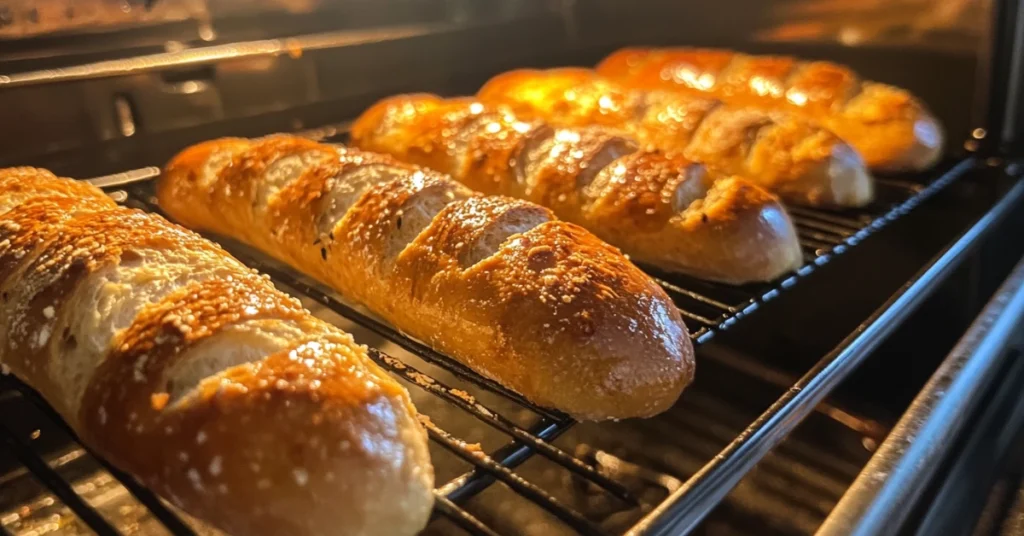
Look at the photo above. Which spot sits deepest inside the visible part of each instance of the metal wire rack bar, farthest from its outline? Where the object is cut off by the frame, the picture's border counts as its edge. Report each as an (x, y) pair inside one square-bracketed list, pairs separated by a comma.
[(840, 221), (460, 517), (512, 455), (698, 297), (829, 227), (517, 483), (482, 413), (52, 480), (153, 503)]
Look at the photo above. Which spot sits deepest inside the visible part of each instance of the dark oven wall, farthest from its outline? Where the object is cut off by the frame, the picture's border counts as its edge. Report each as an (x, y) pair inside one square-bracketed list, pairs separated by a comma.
[(881, 41), (100, 125), (93, 123)]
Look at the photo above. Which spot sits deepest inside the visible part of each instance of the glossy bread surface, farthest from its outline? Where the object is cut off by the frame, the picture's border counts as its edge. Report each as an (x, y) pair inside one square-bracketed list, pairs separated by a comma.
[(660, 208), (797, 159), (539, 305), (189, 371), (890, 128)]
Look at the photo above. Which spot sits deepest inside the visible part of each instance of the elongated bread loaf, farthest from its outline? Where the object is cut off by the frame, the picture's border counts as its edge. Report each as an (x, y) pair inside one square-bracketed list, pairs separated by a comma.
[(539, 305), (890, 128), (794, 158), (660, 209), (189, 371)]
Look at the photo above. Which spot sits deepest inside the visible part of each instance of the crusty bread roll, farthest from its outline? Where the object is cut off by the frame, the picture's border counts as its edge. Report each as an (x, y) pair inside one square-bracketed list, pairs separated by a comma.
[(192, 373), (890, 128), (660, 209), (539, 305), (794, 158)]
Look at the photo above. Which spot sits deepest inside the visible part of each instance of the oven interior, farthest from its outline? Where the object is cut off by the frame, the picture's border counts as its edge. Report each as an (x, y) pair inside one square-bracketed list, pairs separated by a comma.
[(791, 399)]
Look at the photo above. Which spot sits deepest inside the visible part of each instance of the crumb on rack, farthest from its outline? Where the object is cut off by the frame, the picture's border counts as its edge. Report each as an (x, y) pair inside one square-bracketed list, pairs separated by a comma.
[(159, 400), (464, 395)]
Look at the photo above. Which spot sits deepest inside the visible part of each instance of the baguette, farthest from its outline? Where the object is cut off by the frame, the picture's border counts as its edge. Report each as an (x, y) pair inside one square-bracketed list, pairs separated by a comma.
[(660, 209), (796, 159), (539, 305), (890, 127), (192, 373)]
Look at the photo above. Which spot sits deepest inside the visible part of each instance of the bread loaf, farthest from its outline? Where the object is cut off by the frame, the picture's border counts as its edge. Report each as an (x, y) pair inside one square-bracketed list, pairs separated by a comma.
[(539, 305), (189, 371), (890, 127), (794, 158), (661, 209)]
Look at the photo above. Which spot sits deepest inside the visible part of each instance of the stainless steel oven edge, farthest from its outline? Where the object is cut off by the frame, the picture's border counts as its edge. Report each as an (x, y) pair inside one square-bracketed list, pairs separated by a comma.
[(987, 359), (687, 506)]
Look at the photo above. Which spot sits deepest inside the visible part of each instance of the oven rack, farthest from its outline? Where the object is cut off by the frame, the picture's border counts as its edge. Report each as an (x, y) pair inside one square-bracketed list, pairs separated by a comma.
[(708, 308)]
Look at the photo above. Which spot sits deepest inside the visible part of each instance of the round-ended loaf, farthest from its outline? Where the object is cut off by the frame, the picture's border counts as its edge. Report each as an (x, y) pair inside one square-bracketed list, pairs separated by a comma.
[(662, 209), (539, 305), (799, 160), (889, 126), (187, 370)]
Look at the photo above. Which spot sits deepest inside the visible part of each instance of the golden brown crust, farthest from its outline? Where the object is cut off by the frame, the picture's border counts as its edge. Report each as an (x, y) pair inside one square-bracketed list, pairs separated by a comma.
[(70, 253), (23, 230), (800, 161), (196, 376), (651, 204), (891, 128), (157, 340), (493, 282), (23, 184), (194, 443)]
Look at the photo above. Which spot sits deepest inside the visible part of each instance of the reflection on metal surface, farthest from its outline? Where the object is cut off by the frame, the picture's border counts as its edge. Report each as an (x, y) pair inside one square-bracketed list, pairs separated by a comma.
[(30, 18), (127, 177), (873, 430), (209, 55), (884, 493), (942, 23), (125, 116), (206, 31)]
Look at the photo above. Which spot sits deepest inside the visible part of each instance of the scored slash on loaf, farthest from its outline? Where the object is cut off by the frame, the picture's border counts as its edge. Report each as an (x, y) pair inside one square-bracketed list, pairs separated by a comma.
[(661, 209), (889, 127), (189, 371), (797, 159), (539, 305)]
